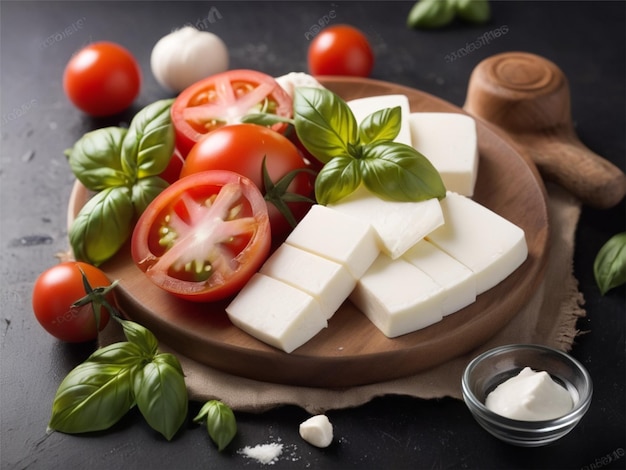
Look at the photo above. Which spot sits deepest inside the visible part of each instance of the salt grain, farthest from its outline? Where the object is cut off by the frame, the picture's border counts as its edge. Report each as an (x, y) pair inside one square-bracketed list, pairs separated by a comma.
[(263, 453)]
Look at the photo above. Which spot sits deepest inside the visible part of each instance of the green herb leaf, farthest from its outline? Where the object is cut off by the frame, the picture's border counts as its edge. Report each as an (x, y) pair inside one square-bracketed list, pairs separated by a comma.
[(145, 190), (324, 123), (149, 142), (161, 394), (399, 172), (220, 422), (95, 159), (431, 14), (265, 119), (141, 337), (338, 178), (474, 11), (381, 125), (609, 267), (98, 392), (102, 226)]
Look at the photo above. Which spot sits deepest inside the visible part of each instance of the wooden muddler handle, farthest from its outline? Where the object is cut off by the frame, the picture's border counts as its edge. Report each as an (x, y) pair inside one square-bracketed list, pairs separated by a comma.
[(528, 97)]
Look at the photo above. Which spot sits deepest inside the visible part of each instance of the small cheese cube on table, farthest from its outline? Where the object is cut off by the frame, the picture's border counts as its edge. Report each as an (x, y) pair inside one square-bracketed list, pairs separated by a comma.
[(338, 237), (397, 297), (363, 107), (399, 225), (449, 141), (327, 281), (276, 313), (457, 280), (487, 243)]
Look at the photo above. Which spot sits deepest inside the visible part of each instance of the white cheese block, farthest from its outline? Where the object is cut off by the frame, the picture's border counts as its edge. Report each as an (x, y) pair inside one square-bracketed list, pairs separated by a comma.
[(317, 431), (397, 297), (488, 244), (342, 238), (276, 313), (399, 225), (363, 107), (457, 280), (449, 141), (328, 282)]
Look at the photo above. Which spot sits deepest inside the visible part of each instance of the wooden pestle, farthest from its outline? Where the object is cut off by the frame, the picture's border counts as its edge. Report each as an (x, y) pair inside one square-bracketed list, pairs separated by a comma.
[(528, 97)]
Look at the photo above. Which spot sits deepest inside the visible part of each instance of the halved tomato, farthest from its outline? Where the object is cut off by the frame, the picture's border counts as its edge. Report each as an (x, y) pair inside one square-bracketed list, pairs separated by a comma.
[(223, 99), (204, 236)]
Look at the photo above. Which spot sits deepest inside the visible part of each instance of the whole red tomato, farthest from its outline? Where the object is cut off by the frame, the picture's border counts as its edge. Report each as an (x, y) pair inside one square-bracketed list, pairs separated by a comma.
[(242, 148), (340, 50), (204, 236), (102, 79), (54, 293)]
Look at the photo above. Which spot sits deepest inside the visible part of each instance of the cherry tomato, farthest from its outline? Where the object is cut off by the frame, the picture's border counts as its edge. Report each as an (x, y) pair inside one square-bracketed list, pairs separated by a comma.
[(340, 50), (102, 79), (223, 99), (241, 148), (204, 236), (54, 292)]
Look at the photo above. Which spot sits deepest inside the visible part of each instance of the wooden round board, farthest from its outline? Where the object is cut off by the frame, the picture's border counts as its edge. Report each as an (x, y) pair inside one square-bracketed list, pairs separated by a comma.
[(351, 351)]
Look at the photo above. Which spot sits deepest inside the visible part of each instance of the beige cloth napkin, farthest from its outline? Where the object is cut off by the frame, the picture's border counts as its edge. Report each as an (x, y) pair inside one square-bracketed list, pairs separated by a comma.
[(549, 318)]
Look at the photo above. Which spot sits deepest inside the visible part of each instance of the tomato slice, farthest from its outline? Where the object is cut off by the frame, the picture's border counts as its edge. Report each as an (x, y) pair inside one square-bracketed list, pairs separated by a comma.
[(224, 99), (204, 236)]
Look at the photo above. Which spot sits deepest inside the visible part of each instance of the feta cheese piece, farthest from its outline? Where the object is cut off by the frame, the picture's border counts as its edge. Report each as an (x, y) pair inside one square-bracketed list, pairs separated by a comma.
[(342, 238), (317, 430), (397, 297), (363, 107), (449, 141), (399, 225), (276, 313), (289, 82), (457, 280), (488, 244), (328, 282)]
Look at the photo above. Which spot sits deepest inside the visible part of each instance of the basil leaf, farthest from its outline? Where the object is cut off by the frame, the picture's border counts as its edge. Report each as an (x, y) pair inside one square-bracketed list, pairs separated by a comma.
[(430, 14), (95, 159), (474, 11), (141, 337), (338, 178), (609, 267), (399, 172), (149, 142), (264, 119), (98, 392), (381, 125), (102, 226), (324, 123), (145, 190), (220, 422), (161, 394)]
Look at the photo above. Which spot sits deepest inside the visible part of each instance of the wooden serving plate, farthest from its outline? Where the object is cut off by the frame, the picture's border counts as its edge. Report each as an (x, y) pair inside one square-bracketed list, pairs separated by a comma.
[(351, 351)]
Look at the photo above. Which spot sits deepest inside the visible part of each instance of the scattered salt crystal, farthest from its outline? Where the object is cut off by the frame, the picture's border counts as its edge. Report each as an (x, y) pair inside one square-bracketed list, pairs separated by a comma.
[(263, 453)]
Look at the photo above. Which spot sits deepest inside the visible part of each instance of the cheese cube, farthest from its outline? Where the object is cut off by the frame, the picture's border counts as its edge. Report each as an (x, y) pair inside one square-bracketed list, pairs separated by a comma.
[(342, 238), (327, 281), (457, 280), (488, 244), (363, 107), (399, 225), (449, 141), (397, 297), (276, 313)]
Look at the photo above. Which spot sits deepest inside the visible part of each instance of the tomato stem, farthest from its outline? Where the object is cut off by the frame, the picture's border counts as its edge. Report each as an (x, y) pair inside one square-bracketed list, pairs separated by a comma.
[(97, 297)]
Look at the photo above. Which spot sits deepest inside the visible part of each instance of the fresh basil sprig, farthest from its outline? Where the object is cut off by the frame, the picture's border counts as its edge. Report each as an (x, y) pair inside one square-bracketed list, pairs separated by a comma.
[(122, 167), (431, 14), (101, 390), (609, 267), (365, 154), (220, 422)]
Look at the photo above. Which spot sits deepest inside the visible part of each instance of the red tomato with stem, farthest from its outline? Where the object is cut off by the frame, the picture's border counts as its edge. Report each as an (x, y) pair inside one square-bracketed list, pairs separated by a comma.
[(204, 236), (243, 148), (102, 79), (223, 99), (340, 50), (57, 289)]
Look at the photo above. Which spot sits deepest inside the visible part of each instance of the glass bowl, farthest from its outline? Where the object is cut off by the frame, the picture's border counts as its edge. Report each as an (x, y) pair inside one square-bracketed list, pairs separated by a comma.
[(493, 367)]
